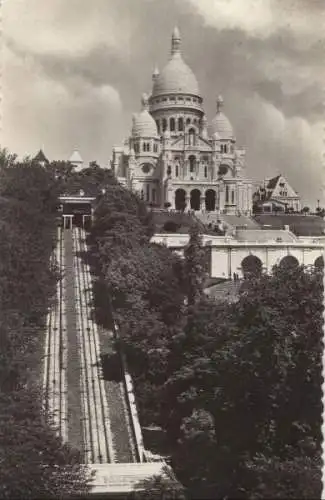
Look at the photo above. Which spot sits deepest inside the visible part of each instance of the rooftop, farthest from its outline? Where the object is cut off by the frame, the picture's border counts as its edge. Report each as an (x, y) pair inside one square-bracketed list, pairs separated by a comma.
[(300, 225), (40, 157), (264, 235), (75, 157)]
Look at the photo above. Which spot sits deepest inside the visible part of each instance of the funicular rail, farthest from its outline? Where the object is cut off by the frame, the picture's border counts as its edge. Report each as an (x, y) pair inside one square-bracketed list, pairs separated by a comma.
[(116, 395), (55, 355), (106, 433), (99, 447)]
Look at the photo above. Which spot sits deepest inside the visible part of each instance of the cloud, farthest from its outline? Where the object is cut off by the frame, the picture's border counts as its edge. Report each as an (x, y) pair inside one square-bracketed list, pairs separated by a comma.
[(74, 72), (57, 115), (263, 18), (280, 144), (65, 28)]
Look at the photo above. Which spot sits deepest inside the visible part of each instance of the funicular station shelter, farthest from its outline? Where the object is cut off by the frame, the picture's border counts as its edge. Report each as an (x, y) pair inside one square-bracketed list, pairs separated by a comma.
[(76, 210)]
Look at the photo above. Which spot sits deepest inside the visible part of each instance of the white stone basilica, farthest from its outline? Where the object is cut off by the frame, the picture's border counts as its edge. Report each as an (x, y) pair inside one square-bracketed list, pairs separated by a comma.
[(173, 158)]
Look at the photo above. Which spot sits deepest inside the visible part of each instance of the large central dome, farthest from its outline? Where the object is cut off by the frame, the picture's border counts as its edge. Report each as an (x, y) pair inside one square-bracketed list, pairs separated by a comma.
[(176, 77)]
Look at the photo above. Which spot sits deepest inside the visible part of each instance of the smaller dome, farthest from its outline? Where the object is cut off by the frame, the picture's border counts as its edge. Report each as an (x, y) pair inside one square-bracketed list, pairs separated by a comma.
[(143, 123), (75, 157), (216, 136), (220, 123)]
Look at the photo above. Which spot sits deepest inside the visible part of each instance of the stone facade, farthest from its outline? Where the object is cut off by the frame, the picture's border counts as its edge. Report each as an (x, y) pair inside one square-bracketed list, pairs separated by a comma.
[(174, 157)]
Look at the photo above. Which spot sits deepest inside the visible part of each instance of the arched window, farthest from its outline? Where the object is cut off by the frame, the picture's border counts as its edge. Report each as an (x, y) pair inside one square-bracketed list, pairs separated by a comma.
[(191, 136), (148, 192), (180, 124), (205, 171), (155, 148), (158, 126), (225, 148), (148, 146), (169, 170), (176, 171), (232, 197), (164, 124), (227, 194), (188, 121), (172, 124), (192, 164), (144, 146)]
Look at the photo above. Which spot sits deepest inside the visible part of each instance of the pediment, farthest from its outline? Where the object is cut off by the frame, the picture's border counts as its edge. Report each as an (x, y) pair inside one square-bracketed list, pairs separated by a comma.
[(201, 144)]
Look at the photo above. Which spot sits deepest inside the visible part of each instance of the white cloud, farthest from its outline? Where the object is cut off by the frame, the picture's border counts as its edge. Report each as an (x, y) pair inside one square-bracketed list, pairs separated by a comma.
[(38, 111), (278, 144), (67, 61), (261, 18), (58, 27)]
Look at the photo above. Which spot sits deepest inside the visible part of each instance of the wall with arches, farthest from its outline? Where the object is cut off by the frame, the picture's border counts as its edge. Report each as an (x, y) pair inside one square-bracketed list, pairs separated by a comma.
[(269, 255), (227, 254)]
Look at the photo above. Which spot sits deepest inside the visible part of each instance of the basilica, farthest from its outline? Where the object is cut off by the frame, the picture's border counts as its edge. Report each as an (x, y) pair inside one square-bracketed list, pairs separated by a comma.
[(174, 158)]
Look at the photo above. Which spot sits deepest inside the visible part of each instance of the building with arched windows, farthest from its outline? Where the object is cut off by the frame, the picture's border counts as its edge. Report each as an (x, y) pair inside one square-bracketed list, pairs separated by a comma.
[(174, 157)]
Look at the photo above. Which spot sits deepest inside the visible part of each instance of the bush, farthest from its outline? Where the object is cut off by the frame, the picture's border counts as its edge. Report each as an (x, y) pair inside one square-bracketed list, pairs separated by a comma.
[(171, 226)]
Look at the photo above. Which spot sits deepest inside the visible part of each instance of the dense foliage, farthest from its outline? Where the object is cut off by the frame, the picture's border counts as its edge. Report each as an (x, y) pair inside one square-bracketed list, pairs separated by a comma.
[(90, 180), (138, 276), (33, 461), (236, 388), (163, 486), (254, 369)]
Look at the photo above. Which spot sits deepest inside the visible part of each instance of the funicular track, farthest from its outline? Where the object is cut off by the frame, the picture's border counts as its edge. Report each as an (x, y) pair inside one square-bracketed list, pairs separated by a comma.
[(89, 412), (114, 397), (96, 423), (55, 355)]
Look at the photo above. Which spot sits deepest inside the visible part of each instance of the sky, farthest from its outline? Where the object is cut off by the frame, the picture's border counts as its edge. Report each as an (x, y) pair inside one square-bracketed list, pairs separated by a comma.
[(73, 72)]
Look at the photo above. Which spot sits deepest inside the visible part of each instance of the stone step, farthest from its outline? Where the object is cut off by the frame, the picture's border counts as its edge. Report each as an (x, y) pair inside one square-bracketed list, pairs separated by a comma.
[(123, 478)]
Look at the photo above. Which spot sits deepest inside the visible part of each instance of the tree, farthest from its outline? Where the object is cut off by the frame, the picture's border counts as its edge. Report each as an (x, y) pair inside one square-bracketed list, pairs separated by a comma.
[(33, 461), (198, 433), (256, 368), (194, 266), (305, 210), (320, 211), (164, 486), (171, 226)]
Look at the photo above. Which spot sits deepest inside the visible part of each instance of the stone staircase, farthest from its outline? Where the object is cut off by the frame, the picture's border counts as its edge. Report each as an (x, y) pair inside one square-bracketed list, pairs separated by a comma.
[(121, 479), (234, 222), (227, 222), (225, 292)]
